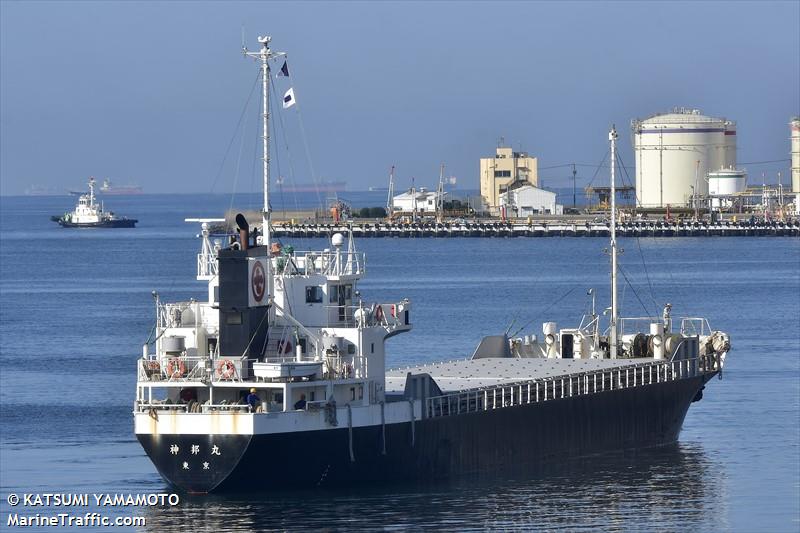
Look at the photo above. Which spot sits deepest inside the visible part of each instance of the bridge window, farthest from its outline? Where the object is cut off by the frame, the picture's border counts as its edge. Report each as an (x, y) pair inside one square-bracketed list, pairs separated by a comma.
[(314, 294)]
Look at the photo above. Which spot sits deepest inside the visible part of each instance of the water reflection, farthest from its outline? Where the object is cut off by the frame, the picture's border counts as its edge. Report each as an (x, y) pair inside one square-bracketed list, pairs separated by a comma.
[(665, 489)]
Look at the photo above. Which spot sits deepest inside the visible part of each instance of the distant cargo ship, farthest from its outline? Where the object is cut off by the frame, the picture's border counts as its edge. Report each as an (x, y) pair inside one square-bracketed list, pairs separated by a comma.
[(43, 190), (322, 186), (107, 188)]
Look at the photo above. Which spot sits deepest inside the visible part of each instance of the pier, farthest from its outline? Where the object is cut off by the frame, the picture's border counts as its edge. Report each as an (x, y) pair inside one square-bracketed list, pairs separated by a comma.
[(654, 228)]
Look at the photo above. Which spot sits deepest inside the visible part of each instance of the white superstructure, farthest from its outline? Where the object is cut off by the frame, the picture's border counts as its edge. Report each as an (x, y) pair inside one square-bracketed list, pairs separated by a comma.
[(290, 326), (673, 152), (87, 211)]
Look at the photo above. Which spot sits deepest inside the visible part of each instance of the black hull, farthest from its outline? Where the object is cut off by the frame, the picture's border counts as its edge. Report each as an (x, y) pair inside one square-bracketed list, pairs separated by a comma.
[(121, 223), (511, 439)]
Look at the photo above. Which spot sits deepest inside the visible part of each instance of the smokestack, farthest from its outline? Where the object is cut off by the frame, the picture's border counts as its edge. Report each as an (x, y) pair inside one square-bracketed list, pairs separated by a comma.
[(244, 231)]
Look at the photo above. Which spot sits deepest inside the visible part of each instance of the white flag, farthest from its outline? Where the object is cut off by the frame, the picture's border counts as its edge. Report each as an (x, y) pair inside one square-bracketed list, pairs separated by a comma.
[(288, 99)]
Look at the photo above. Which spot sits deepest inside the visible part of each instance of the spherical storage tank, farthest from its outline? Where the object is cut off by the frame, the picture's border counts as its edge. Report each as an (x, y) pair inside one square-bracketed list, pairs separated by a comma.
[(667, 149)]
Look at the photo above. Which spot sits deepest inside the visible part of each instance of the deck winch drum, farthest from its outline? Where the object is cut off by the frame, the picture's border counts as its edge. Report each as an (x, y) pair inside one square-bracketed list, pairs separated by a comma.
[(173, 345)]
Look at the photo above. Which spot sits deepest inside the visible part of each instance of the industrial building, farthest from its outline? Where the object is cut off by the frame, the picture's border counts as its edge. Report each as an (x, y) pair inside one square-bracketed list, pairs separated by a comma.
[(674, 154), (416, 201), (527, 200), (499, 173)]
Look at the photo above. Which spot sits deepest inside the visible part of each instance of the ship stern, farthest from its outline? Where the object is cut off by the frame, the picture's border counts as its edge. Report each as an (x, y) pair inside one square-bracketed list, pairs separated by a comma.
[(195, 463)]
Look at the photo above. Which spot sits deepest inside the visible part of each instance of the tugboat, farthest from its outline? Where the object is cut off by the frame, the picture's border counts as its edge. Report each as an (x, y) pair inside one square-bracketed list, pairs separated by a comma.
[(277, 378), (90, 214)]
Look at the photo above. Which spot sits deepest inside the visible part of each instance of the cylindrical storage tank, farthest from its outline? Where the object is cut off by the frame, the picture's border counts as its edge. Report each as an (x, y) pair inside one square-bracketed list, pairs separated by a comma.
[(795, 125), (722, 182), (667, 149)]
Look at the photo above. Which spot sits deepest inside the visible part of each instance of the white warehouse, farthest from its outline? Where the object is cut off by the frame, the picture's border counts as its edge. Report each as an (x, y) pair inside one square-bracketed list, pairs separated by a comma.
[(675, 151), (529, 200), (420, 201)]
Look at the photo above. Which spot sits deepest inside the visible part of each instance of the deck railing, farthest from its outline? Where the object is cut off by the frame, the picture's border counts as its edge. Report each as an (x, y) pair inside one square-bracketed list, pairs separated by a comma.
[(184, 368), (558, 387), (330, 263)]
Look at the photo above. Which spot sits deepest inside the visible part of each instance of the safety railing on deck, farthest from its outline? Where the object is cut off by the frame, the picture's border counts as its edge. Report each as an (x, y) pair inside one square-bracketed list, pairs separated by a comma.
[(558, 387), (695, 326), (690, 326), (388, 314), (183, 368), (207, 265), (154, 406), (329, 263)]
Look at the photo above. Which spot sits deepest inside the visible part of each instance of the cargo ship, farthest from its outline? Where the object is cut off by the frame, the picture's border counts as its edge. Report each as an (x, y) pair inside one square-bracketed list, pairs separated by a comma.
[(113, 190), (319, 187), (277, 378), (109, 189)]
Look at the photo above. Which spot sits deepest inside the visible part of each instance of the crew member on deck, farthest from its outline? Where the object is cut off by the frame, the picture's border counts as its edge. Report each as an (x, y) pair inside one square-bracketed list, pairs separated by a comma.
[(301, 403), (253, 400), (187, 395)]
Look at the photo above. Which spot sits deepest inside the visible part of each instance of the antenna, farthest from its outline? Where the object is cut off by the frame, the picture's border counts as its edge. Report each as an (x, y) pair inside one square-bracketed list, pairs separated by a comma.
[(574, 181), (440, 195), (390, 197)]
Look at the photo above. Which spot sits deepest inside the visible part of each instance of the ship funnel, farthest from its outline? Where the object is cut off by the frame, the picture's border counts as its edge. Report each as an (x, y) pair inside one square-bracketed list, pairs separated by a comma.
[(244, 231)]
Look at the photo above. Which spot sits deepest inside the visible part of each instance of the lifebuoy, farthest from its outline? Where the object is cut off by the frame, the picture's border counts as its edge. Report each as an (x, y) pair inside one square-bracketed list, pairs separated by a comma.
[(379, 313), (176, 368), (226, 369)]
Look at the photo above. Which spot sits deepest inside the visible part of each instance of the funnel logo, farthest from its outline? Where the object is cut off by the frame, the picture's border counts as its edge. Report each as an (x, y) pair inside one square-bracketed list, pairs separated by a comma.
[(258, 281)]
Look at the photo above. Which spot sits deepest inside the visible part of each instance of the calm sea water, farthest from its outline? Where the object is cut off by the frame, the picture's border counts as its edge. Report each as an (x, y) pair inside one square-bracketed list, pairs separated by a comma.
[(75, 307)]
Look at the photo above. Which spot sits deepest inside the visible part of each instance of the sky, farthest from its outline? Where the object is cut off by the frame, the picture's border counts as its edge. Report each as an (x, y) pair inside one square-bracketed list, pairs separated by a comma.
[(151, 93)]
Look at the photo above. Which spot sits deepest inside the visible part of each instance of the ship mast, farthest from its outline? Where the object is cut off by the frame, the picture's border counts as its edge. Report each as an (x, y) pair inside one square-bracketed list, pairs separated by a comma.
[(440, 196), (264, 55), (91, 192), (612, 137)]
